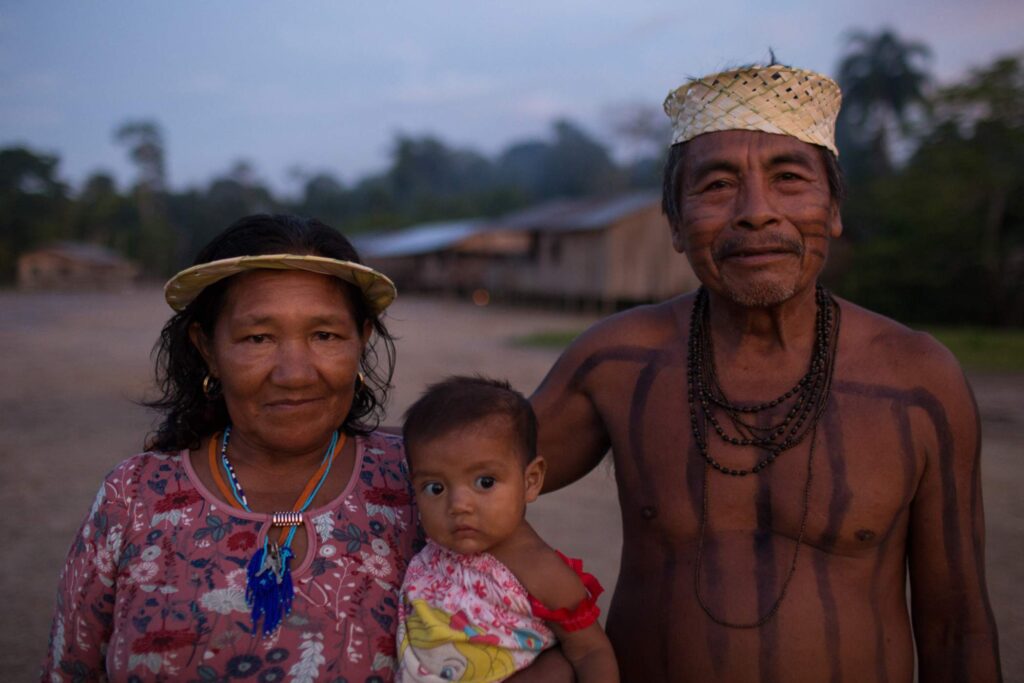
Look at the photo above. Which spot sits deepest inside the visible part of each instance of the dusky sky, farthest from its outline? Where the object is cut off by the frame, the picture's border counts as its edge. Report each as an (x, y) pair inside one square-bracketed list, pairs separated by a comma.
[(324, 86)]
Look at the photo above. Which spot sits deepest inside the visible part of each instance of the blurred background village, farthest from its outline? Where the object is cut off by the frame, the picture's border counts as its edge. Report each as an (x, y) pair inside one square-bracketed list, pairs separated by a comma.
[(508, 181), (934, 223)]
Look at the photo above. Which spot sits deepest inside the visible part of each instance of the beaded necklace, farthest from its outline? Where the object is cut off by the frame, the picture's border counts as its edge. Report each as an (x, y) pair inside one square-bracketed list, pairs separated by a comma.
[(269, 590), (809, 397)]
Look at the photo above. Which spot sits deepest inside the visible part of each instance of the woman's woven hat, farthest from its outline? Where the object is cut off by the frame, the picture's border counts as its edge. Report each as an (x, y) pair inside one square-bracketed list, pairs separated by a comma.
[(378, 291), (772, 99)]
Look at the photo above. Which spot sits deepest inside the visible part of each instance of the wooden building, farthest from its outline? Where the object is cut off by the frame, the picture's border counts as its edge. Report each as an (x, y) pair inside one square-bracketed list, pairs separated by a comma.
[(74, 266), (612, 252), (609, 252)]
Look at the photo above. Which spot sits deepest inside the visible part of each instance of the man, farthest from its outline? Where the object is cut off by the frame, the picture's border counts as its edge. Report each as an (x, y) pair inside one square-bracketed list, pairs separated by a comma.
[(783, 457)]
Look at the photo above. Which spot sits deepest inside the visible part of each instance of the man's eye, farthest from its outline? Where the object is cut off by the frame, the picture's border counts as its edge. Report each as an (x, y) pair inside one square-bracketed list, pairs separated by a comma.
[(433, 488), (256, 338), (485, 482), (715, 185)]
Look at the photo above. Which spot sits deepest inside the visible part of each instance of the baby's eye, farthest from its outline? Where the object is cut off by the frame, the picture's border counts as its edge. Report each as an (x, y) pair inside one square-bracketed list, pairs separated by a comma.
[(433, 488), (485, 482)]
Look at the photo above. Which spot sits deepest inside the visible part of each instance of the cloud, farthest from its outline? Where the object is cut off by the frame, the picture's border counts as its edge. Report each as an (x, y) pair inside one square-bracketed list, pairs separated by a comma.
[(444, 88)]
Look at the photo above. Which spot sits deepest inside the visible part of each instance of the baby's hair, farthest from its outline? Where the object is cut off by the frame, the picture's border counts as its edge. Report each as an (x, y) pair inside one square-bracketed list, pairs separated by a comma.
[(460, 401)]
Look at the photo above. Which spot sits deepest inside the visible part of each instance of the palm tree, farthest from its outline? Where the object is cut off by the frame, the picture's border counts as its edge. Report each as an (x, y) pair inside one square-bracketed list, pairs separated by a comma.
[(883, 78)]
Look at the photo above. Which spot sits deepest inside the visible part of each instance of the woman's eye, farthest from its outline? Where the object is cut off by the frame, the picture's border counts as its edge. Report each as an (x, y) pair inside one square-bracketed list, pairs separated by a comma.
[(256, 338), (325, 336), (485, 482), (433, 488)]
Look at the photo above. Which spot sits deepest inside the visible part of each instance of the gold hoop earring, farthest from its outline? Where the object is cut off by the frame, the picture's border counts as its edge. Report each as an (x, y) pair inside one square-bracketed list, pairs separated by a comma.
[(360, 381), (211, 387)]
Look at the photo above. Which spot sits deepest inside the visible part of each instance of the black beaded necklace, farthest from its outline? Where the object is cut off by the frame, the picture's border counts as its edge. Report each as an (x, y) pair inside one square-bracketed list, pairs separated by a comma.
[(809, 397)]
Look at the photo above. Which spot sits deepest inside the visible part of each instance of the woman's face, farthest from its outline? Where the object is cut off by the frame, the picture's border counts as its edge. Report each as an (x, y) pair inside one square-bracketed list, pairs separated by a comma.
[(286, 349)]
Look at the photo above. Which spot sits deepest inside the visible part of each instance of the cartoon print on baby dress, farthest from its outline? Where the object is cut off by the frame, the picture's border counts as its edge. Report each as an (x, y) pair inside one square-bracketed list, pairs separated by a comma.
[(465, 618), (446, 646)]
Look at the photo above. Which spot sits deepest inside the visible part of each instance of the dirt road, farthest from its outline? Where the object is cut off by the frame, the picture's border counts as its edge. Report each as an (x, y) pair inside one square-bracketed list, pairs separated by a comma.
[(74, 366)]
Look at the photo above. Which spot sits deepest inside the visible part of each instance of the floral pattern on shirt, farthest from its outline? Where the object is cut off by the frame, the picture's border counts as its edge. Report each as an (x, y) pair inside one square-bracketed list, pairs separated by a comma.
[(154, 585)]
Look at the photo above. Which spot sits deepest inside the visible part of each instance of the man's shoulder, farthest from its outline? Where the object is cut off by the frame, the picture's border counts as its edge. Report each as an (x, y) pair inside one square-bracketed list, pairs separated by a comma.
[(652, 326), (874, 344)]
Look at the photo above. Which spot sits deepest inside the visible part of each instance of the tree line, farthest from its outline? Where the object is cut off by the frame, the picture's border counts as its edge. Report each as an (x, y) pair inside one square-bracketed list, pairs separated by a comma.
[(933, 223)]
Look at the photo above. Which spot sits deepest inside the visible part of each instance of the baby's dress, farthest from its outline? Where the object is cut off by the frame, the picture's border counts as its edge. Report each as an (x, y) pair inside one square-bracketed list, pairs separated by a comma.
[(468, 618)]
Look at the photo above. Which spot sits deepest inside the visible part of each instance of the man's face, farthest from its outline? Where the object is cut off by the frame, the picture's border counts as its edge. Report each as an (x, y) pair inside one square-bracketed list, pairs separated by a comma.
[(756, 215)]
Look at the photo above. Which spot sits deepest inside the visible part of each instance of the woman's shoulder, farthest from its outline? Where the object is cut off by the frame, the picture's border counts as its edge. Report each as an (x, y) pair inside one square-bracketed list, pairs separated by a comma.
[(147, 460), (386, 442)]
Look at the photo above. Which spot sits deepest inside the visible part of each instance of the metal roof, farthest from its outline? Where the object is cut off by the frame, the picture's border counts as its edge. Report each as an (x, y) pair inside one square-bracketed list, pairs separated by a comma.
[(424, 238), (566, 215), (557, 215)]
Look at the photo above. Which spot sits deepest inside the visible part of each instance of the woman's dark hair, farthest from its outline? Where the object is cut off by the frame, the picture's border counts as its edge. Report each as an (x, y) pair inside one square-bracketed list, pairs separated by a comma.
[(672, 178), (188, 414)]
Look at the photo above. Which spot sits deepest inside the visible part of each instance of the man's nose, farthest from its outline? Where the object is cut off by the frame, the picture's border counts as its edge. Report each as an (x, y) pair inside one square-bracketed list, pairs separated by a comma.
[(754, 206), (294, 366)]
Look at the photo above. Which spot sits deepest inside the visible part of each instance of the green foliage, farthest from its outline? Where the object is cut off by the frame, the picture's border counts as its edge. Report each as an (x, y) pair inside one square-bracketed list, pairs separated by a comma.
[(883, 81), (547, 339), (984, 349), (942, 239), (33, 204)]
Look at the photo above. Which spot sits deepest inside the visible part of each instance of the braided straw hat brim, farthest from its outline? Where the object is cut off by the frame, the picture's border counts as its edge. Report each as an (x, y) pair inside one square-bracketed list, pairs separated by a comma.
[(378, 290), (771, 99)]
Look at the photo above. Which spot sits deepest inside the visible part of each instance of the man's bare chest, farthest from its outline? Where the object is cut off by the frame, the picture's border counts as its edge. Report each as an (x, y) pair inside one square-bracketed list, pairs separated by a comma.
[(846, 489)]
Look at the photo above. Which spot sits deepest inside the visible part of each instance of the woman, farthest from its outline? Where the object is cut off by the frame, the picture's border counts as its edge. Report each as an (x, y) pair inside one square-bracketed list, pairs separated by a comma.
[(264, 533)]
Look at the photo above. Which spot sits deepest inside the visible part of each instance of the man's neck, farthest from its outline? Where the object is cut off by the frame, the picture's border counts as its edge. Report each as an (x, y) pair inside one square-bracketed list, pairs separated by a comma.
[(785, 328)]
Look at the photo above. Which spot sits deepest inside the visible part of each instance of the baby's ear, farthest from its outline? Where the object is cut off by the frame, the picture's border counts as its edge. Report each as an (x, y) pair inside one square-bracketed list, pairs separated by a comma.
[(534, 477)]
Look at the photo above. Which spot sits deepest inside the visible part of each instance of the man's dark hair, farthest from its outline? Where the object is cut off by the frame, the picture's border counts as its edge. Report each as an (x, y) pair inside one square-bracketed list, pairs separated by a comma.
[(188, 414), (459, 401), (672, 179)]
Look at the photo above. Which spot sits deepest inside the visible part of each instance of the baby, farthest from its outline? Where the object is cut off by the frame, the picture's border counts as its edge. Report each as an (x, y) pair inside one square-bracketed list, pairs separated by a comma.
[(487, 594)]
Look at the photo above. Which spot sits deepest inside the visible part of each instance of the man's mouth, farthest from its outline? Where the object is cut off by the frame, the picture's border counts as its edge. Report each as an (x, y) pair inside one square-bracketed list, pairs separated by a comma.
[(757, 253)]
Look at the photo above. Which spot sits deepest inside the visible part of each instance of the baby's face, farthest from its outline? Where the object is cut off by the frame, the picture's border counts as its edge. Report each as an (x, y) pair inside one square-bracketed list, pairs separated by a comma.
[(472, 486)]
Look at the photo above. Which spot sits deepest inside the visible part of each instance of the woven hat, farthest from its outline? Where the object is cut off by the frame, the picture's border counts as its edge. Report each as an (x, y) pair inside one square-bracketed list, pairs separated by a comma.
[(772, 99), (378, 291)]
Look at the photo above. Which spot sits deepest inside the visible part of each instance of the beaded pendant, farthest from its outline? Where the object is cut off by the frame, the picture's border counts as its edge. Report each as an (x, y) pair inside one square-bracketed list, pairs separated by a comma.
[(268, 589)]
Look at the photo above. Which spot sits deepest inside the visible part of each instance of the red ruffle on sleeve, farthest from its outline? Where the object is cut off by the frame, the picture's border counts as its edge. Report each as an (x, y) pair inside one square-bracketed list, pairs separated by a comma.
[(585, 613)]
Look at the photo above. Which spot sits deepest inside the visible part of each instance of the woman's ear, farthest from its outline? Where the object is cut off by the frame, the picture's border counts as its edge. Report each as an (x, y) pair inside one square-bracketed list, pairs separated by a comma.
[(203, 346), (534, 476)]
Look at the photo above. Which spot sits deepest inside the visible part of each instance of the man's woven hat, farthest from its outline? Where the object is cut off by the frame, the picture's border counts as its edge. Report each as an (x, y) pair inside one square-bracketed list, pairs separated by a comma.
[(772, 99)]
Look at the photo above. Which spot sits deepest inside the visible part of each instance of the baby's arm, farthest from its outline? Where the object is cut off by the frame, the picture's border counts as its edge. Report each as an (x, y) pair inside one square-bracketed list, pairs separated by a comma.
[(556, 586)]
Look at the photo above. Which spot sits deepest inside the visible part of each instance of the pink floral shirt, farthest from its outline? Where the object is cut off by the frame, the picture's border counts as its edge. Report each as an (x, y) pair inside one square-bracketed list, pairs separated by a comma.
[(465, 618), (154, 585)]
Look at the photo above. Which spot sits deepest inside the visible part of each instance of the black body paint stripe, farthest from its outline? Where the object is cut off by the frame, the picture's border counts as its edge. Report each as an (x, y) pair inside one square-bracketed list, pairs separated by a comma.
[(766, 580)]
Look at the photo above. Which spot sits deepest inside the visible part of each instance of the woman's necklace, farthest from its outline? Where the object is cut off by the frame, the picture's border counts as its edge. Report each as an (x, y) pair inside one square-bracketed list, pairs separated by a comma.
[(269, 590)]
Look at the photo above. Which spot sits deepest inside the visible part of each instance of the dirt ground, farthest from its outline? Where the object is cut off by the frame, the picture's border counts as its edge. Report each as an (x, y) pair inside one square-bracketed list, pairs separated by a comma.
[(74, 366)]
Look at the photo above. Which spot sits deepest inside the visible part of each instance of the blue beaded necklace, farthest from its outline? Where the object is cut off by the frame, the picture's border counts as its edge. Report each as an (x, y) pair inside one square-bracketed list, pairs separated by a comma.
[(269, 590)]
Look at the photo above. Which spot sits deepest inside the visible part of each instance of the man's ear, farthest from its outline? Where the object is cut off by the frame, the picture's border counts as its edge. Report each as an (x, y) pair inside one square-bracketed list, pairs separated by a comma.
[(835, 221), (534, 476), (676, 232), (203, 346)]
